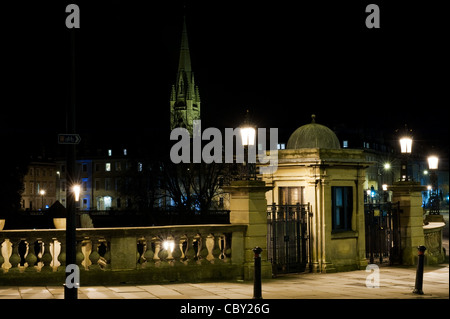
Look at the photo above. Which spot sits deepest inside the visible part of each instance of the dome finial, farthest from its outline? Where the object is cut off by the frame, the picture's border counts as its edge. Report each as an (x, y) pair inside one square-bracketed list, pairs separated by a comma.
[(313, 117)]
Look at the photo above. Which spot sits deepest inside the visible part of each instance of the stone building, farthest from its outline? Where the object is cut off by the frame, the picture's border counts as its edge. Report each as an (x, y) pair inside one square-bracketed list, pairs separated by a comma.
[(314, 169), (99, 178), (39, 186)]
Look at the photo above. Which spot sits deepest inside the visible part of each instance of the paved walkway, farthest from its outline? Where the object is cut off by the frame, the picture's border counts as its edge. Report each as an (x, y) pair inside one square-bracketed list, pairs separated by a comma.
[(395, 283)]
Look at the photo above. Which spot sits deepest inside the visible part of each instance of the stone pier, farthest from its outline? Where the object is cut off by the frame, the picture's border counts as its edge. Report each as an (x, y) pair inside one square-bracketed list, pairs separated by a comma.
[(409, 194), (248, 206)]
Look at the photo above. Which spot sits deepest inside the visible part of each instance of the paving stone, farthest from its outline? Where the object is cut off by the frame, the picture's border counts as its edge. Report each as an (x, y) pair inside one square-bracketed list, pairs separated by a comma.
[(395, 283)]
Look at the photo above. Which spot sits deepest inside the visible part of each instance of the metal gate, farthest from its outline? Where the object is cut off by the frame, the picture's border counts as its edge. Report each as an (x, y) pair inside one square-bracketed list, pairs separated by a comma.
[(288, 237), (383, 232)]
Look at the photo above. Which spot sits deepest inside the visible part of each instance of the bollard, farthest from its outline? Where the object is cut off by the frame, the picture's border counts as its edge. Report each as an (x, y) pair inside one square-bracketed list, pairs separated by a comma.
[(419, 273), (257, 275)]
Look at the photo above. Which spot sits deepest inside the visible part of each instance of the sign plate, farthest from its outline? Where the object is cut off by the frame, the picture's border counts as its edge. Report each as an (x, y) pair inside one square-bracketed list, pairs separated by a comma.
[(69, 139)]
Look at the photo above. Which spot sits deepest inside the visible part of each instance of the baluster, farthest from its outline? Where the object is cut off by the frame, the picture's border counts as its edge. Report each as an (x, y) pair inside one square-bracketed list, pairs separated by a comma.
[(62, 254), (141, 249), (55, 250), (2, 260), (86, 249), (176, 250), (31, 258), (203, 250), (222, 244), (148, 254), (6, 252), (210, 248), (79, 256), (156, 241), (105, 254), (39, 252), (94, 256), (183, 244), (15, 256), (22, 249), (197, 245), (46, 259), (190, 251)]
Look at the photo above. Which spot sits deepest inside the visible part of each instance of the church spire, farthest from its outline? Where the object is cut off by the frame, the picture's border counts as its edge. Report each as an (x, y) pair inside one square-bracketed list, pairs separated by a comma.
[(184, 97), (184, 63)]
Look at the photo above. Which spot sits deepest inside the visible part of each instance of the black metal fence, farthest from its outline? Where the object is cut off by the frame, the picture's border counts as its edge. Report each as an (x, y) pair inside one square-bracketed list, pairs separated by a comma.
[(288, 236), (383, 240)]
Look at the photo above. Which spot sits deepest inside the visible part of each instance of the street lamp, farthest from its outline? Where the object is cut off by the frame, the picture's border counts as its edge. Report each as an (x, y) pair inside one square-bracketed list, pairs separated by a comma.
[(433, 162), (405, 148), (248, 135), (248, 138), (406, 144), (42, 193), (76, 190)]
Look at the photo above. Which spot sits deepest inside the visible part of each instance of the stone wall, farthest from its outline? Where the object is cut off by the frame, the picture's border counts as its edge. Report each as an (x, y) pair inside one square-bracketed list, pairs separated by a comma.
[(125, 255)]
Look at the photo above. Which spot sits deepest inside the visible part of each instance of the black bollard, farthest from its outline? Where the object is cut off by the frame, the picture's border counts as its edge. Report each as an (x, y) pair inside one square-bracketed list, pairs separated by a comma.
[(257, 276), (419, 273)]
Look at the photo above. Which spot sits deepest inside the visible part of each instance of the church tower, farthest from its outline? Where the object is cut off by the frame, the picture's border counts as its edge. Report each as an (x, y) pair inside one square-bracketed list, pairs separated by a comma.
[(184, 97)]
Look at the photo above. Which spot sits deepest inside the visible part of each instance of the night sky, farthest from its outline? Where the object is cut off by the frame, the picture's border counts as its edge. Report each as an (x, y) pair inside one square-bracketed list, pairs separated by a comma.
[(282, 60)]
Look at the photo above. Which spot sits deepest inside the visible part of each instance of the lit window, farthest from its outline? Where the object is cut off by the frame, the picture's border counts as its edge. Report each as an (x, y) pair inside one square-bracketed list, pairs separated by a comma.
[(125, 151), (108, 167), (107, 200), (109, 152), (139, 167), (345, 144)]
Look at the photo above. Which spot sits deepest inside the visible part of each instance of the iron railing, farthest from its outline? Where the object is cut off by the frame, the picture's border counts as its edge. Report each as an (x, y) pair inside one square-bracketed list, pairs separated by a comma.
[(288, 236), (382, 228)]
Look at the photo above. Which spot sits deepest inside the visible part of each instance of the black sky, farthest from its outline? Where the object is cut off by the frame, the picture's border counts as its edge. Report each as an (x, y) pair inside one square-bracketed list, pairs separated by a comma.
[(283, 60)]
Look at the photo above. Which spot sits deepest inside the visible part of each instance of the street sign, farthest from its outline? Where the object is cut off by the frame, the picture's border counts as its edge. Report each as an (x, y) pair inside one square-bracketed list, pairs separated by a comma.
[(69, 139)]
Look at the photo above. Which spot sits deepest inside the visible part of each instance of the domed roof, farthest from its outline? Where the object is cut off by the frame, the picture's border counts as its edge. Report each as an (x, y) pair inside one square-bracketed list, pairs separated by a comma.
[(313, 135)]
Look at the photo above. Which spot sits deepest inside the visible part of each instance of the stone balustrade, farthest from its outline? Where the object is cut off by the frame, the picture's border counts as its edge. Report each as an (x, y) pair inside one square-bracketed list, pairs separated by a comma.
[(130, 254)]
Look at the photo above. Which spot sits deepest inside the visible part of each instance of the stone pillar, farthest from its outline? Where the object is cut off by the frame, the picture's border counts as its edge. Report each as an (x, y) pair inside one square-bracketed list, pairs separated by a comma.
[(248, 205), (409, 194)]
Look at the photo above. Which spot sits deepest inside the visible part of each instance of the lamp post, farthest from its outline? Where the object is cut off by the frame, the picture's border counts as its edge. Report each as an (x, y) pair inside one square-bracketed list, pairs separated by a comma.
[(71, 291), (405, 148), (433, 162), (248, 138)]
